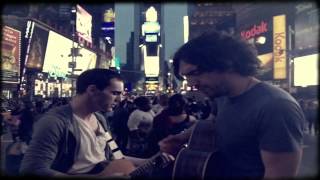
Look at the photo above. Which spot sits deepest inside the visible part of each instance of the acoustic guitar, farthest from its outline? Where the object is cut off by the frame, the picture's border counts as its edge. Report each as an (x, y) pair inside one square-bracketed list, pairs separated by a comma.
[(192, 161)]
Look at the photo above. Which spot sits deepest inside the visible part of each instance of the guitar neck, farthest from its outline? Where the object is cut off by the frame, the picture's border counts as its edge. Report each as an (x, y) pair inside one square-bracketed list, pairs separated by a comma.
[(158, 160), (143, 168)]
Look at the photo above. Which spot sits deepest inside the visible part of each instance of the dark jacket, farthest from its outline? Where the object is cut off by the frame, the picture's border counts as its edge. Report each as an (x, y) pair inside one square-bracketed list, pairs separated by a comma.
[(55, 143)]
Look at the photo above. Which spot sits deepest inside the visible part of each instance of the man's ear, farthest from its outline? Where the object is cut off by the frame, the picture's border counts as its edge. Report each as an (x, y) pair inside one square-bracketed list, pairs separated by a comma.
[(91, 89)]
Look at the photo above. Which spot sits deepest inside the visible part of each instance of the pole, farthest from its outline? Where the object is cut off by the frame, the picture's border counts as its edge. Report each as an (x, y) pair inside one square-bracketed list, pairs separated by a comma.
[(73, 57), (290, 58)]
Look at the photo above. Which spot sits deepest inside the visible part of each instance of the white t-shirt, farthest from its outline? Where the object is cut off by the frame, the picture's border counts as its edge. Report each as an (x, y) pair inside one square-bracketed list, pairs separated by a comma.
[(92, 147), (141, 120)]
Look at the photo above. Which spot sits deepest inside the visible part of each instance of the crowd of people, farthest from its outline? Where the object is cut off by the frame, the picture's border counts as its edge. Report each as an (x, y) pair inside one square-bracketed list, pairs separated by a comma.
[(101, 132), (137, 122)]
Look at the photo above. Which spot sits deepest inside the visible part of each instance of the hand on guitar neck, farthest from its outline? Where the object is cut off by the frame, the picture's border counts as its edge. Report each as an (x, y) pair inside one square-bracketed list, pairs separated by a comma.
[(172, 144)]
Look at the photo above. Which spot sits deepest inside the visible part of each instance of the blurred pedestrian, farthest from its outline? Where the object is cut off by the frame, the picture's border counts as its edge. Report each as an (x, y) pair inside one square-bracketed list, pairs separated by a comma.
[(140, 124), (162, 103)]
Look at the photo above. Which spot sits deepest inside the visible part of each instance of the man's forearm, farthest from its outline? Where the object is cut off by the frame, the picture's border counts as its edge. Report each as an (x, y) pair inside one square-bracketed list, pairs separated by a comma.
[(136, 161)]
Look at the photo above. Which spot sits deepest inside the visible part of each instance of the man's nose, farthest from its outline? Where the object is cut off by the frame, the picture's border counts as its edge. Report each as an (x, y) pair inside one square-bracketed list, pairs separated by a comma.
[(118, 98)]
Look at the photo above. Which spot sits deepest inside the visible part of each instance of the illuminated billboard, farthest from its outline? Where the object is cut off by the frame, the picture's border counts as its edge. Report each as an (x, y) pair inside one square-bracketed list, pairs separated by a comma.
[(83, 24), (279, 47), (86, 61), (37, 43), (306, 72), (151, 65), (57, 57), (151, 38), (150, 27), (10, 55)]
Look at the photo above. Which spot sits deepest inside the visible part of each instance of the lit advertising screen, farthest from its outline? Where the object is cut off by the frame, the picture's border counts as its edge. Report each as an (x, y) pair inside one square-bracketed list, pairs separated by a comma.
[(58, 56), (37, 44), (150, 27), (10, 55), (83, 24), (151, 38), (306, 71), (151, 65), (86, 61)]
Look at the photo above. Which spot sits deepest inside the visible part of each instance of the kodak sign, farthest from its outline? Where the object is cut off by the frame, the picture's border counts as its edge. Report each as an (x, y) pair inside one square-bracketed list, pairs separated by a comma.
[(255, 30), (279, 47)]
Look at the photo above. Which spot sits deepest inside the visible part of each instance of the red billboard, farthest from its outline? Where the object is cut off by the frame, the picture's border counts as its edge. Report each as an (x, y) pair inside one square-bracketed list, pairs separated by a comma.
[(10, 55)]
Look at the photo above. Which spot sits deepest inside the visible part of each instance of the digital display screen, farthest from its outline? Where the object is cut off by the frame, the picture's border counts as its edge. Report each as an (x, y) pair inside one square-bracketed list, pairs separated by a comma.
[(306, 70), (151, 38), (58, 56)]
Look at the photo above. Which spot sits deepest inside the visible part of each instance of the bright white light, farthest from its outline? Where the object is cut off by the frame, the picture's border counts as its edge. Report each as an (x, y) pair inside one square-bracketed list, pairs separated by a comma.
[(185, 29), (261, 40), (151, 14), (151, 63), (306, 70), (150, 27), (57, 56)]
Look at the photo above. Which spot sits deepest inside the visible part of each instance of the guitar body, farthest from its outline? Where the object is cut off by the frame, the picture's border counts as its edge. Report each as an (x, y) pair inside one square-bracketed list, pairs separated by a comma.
[(192, 161)]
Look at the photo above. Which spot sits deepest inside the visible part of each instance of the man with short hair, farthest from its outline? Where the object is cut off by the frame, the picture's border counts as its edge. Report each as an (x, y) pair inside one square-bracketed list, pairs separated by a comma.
[(259, 127), (72, 139)]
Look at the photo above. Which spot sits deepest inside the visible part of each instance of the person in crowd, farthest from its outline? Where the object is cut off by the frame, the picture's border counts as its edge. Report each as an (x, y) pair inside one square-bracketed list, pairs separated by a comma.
[(172, 120), (119, 121), (140, 124), (258, 127), (27, 117), (72, 139), (311, 116), (162, 103), (14, 122)]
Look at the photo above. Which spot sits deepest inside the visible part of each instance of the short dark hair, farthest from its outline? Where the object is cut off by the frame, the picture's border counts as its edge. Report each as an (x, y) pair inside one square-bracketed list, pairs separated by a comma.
[(98, 77), (218, 51), (177, 104), (143, 103)]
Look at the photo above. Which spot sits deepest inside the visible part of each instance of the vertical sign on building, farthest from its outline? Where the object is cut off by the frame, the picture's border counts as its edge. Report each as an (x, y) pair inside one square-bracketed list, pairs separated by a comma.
[(84, 24), (279, 47), (10, 55)]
